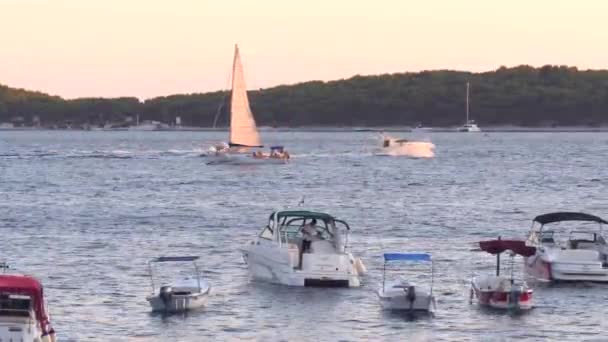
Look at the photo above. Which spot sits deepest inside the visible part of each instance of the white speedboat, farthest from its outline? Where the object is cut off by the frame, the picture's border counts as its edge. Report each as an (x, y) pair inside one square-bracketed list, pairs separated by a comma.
[(23, 311), (183, 295), (244, 135), (403, 147), (580, 255), (500, 292), (286, 252), (402, 294), (469, 125)]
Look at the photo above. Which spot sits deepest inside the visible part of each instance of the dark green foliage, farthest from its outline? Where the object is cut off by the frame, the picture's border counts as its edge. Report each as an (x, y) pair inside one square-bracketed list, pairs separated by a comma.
[(523, 95)]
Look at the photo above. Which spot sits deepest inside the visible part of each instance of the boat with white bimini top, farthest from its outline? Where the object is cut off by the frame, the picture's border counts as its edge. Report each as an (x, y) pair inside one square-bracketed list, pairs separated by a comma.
[(183, 295), (500, 292), (244, 135), (303, 248), (580, 255), (402, 294), (469, 125), (23, 310)]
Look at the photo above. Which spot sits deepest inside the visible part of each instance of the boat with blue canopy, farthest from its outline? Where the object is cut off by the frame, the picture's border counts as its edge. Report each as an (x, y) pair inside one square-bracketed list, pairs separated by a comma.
[(401, 293)]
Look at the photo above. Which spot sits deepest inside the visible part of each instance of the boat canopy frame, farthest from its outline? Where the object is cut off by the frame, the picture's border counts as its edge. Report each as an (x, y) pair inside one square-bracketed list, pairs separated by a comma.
[(565, 216), (568, 216), (285, 218), (408, 257), (163, 259), (499, 246)]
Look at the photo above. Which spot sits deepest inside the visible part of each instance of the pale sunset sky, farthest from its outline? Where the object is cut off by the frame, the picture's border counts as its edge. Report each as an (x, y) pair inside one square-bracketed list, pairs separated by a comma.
[(147, 48)]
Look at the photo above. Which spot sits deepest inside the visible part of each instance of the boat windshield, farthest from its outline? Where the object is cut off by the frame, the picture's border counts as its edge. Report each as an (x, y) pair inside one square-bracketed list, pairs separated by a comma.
[(293, 228), (15, 305)]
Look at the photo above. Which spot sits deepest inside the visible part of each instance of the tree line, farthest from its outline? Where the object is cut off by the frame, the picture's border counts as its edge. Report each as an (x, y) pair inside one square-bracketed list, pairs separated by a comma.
[(522, 95)]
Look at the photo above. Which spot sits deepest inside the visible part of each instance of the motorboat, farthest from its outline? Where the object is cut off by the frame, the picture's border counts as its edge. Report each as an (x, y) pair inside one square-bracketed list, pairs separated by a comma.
[(469, 125), (498, 291), (420, 128), (404, 147), (244, 142), (23, 310), (183, 295), (303, 248), (578, 254), (402, 294)]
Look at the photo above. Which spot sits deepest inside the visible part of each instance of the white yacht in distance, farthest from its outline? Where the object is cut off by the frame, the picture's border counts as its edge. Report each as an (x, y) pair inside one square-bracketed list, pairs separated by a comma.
[(303, 248), (469, 125), (583, 256)]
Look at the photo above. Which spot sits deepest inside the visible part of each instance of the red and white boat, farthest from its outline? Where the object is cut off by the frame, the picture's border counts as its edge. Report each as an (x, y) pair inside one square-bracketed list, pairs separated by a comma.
[(498, 291), (575, 253), (23, 313)]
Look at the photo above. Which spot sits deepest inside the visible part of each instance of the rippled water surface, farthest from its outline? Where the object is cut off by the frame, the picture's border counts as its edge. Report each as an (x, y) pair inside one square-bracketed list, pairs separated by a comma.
[(85, 211)]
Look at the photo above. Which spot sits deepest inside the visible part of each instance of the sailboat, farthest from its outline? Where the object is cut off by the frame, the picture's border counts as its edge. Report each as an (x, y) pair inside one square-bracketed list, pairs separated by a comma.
[(244, 135), (469, 125)]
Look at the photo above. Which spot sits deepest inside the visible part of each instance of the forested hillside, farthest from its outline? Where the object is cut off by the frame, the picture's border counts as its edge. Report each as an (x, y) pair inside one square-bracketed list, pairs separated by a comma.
[(523, 95)]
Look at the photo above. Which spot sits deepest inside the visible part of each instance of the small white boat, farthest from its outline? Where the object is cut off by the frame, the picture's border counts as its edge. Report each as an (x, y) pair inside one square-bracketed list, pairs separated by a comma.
[(500, 292), (244, 135), (403, 147), (582, 256), (402, 294), (23, 310), (186, 294), (303, 248), (469, 125)]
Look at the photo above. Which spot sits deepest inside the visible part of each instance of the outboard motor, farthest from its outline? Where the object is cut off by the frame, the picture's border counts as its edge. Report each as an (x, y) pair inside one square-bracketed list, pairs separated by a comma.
[(166, 292), (411, 295), (514, 296), (387, 143)]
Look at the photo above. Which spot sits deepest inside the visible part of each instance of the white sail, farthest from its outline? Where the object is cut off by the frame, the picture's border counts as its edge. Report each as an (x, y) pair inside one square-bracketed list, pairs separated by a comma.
[(243, 130)]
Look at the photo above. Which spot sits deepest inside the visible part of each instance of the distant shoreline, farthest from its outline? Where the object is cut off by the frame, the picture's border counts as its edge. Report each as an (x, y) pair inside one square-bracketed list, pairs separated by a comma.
[(488, 129)]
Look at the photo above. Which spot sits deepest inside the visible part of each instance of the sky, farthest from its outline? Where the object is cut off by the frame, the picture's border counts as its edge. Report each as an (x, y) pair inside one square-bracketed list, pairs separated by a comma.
[(148, 48)]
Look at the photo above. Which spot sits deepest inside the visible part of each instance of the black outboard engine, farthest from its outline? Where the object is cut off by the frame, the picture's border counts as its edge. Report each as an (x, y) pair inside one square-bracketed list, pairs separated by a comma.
[(166, 292), (411, 295), (386, 143), (514, 296)]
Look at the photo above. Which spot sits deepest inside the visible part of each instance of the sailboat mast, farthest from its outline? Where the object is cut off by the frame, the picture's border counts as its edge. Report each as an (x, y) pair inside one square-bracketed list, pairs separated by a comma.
[(467, 103)]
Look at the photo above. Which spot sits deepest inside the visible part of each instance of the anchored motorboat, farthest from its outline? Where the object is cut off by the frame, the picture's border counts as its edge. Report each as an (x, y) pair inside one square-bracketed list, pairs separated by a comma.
[(244, 135), (498, 291), (580, 255), (23, 311), (402, 294), (303, 248), (183, 295)]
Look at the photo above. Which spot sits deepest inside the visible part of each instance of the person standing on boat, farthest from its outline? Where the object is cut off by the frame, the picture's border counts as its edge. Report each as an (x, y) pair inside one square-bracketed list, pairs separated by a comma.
[(309, 233)]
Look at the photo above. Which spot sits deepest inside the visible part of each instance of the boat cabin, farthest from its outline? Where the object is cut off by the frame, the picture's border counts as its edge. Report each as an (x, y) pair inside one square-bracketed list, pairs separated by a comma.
[(325, 233), (21, 305), (579, 238)]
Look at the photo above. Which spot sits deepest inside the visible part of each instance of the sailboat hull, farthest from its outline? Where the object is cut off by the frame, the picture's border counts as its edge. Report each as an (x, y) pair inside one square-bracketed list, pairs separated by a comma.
[(241, 159)]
